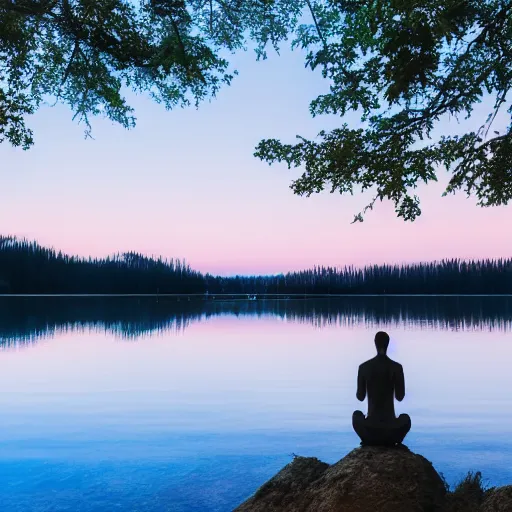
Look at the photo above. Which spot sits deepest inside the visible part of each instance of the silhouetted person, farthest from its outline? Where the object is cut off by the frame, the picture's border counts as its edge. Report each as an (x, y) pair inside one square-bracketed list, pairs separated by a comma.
[(382, 380)]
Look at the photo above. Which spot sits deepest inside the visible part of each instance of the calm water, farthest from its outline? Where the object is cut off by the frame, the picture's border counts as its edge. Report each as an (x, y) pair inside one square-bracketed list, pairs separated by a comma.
[(134, 405)]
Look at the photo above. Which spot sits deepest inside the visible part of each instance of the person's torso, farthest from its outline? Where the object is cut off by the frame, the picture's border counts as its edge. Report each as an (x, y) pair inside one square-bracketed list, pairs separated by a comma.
[(380, 387)]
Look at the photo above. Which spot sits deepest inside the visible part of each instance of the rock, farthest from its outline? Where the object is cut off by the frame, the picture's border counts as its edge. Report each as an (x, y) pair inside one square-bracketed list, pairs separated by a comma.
[(368, 479), (498, 500), (280, 491)]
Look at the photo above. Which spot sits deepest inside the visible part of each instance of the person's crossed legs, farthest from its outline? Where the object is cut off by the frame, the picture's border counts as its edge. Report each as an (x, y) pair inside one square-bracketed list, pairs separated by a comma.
[(374, 433)]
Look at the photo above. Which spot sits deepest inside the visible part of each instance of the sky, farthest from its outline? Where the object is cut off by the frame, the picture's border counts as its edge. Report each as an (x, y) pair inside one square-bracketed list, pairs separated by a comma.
[(185, 184)]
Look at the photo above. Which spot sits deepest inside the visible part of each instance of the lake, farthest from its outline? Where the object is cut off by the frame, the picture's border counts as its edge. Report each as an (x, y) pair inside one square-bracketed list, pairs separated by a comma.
[(139, 404)]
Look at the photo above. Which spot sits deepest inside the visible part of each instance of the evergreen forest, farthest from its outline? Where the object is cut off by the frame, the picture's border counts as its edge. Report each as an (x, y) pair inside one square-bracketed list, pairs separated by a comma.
[(28, 268)]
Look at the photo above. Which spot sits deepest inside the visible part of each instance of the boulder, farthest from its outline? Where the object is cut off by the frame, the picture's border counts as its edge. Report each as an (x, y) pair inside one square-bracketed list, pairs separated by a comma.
[(368, 479), (280, 492)]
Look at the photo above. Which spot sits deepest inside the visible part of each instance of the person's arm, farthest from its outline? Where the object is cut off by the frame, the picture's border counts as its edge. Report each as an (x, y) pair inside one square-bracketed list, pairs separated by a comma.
[(399, 383), (361, 386)]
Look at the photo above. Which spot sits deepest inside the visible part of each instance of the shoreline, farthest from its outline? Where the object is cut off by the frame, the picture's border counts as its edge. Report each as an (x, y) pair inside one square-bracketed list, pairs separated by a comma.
[(243, 296)]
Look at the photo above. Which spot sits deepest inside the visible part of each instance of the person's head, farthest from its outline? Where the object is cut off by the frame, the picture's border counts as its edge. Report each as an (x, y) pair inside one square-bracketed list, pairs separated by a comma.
[(381, 342)]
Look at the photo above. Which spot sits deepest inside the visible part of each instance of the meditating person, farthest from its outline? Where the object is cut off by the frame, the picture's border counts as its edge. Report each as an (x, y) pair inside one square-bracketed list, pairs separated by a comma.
[(382, 380)]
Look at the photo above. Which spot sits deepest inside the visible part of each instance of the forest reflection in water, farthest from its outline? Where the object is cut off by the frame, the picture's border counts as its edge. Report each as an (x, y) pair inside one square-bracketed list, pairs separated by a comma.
[(26, 320)]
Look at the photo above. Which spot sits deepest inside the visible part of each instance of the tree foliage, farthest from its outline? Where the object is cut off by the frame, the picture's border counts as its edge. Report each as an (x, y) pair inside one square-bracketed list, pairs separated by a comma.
[(401, 65), (87, 53)]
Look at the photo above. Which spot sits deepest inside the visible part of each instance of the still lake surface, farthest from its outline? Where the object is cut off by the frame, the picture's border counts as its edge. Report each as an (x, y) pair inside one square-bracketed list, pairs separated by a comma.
[(137, 405)]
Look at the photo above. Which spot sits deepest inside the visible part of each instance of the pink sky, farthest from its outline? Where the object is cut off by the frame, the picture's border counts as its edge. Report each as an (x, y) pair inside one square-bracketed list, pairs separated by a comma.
[(185, 184)]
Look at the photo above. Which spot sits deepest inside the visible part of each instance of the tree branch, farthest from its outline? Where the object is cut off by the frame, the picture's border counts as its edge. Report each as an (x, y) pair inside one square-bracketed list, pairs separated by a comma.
[(76, 49), (446, 86), (499, 101), (211, 17), (320, 35), (180, 40), (30, 9)]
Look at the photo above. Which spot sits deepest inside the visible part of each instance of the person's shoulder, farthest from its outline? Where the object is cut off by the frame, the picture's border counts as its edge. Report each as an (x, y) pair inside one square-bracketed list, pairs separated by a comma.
[(370, 362), (396, 364), (364, 365)]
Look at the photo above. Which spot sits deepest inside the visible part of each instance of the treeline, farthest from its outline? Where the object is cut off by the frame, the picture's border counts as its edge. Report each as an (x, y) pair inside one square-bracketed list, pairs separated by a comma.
[(445, 277), (26, 267)]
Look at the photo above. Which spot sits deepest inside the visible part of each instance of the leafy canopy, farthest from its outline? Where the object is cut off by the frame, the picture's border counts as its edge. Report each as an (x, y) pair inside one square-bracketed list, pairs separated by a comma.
[(86, 52), (400, 64)]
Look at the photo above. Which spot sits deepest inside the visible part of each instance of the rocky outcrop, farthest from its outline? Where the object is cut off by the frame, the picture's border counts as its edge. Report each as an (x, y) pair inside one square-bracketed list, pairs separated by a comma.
[(281, 491), (368, 479), (372, 479)]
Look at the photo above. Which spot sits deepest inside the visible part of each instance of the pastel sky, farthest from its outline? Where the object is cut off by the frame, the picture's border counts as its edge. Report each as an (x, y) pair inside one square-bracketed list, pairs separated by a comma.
[(185, 184)]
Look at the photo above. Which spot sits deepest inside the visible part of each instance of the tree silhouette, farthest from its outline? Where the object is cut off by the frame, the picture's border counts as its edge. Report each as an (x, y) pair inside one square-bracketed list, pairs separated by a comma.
[(27, 268)]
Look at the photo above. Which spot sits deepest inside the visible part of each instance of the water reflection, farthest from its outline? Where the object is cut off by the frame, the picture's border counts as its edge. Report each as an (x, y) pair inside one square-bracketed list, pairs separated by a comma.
[(200, 420), (26, 320)]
